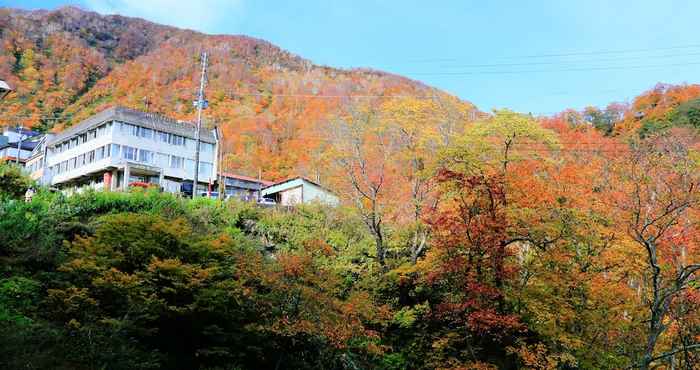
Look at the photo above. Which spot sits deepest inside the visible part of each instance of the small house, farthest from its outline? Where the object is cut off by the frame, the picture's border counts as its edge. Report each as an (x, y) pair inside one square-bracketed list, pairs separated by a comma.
[(299, 190)]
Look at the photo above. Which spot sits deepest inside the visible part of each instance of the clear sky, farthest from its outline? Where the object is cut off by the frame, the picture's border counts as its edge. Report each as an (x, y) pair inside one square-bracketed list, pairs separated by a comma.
[(538, 56)]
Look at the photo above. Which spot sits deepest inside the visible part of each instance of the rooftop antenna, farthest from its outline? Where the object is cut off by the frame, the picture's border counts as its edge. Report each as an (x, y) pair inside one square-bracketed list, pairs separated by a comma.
[(200, 103)]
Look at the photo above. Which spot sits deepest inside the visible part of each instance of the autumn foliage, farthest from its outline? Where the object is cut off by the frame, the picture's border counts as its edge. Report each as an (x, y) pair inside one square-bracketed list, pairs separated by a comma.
[(464, 240)]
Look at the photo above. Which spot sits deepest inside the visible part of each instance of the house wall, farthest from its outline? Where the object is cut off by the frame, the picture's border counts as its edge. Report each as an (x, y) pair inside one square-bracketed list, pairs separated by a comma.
[(292, 196), (302, 191), (316, 193), (12, 152)]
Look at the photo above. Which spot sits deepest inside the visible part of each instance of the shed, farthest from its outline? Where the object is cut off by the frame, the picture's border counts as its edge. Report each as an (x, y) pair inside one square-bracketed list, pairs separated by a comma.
[(299, 190)]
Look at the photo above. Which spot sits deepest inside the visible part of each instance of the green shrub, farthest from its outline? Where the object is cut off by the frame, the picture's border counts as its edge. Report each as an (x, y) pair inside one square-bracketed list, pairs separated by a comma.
[(13, 182)]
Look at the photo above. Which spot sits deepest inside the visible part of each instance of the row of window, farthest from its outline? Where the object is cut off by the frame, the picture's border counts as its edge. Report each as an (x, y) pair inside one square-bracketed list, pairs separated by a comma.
[(105, 151), (36, 165), (160, 136), (132, 154), (151, 134), (83, 138), (133, 130)]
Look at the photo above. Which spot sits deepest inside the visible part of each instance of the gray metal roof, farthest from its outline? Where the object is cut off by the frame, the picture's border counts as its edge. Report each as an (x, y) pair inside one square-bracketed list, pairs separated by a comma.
[(281, 184), (138, 118), (26, 145)]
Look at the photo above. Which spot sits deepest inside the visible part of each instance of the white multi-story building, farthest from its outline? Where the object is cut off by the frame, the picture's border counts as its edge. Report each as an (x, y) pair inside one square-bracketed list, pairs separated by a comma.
[(119, 147)]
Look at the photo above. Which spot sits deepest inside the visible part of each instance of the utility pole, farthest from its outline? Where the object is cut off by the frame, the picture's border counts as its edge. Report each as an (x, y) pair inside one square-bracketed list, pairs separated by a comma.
[(219, 164), (200, 105), (19, 143)]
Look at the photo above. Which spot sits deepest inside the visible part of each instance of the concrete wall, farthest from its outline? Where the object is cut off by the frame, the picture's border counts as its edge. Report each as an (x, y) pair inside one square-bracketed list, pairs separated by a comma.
[(314, 193), (162, 153), (292, 196), (301, 190)]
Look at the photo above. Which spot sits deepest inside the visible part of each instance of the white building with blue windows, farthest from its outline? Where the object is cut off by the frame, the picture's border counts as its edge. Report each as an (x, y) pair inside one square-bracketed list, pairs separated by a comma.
[(119, 147)]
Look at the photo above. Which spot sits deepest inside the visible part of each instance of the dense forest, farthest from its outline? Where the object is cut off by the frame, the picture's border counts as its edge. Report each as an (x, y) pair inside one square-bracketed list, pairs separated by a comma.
[(465, 240), (515, 243)]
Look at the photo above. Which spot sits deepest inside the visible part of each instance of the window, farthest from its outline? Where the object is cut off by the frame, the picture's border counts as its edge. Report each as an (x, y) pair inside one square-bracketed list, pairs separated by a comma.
[(115, 150), (83, 138), (205, 169), (128, 153), (91, 134), (145, 133), (81, 161), (177, 162), (162, 136), (128, 129), (102, 130), (177, 140), (207, 147), (90, 156), (99, 153), (162, 160), (74, 142), (145, 156)]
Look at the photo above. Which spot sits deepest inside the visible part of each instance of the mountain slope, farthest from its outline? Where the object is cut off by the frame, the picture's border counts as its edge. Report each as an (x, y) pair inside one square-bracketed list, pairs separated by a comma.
[(68, 63)]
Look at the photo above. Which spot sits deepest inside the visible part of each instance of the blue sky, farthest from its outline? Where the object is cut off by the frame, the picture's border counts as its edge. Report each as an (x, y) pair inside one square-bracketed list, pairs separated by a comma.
[(538, 56)]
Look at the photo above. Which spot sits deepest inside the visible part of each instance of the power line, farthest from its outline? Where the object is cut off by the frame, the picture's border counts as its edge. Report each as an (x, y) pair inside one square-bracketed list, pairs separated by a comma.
[(337, 96), (521, 144), (568, 54), (609, 68), (566, 62), (608, 52)]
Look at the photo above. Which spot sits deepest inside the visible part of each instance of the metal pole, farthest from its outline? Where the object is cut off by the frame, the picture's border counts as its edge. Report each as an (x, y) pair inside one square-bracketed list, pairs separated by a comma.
[(200, 106), (19, 144)]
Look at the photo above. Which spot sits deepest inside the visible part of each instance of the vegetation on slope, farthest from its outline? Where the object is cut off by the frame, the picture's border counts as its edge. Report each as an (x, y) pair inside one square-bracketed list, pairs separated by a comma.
[(514, 245), (68, 64)]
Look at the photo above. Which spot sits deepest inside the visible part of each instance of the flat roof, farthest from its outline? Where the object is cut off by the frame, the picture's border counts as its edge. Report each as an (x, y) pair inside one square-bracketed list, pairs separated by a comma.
[(144, 119)]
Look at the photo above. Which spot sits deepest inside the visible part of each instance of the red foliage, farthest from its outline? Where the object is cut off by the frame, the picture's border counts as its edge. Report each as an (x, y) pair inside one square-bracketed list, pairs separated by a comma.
[(471, 251)]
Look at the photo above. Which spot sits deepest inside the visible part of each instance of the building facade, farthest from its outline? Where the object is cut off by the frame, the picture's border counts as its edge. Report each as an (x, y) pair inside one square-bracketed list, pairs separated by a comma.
[(17, 143), (243, 187), (299, 190), (119, 147)]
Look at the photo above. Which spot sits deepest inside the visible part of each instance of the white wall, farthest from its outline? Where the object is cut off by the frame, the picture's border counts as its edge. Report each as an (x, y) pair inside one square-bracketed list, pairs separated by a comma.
[(292, 196), (300, 190), (187, 152), (313, 193), (12, 152), (162, 152)]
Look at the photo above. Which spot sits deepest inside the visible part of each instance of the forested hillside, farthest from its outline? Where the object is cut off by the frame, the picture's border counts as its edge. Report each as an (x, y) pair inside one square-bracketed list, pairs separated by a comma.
[(519, 244), (69, 63), (463, 240)]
